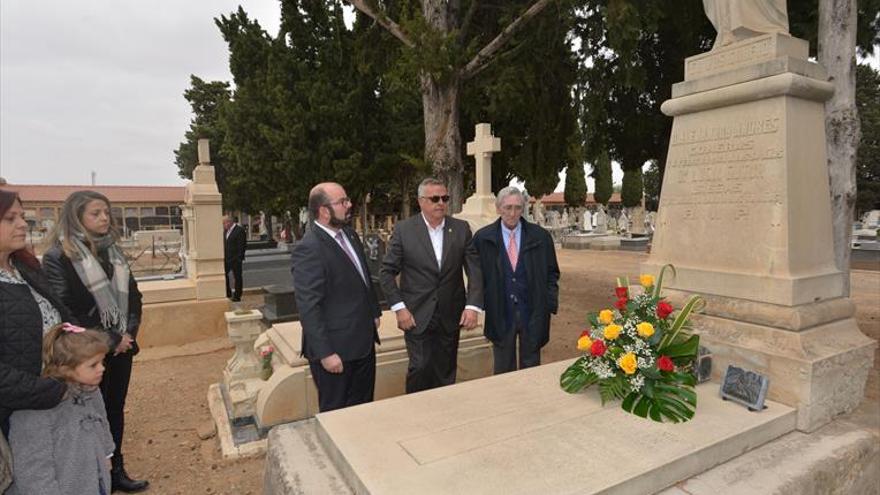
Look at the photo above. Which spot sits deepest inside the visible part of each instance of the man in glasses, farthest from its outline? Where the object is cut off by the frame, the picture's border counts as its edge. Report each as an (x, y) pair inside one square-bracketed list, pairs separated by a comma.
[(520, 283), (338, 308), (427, 250)]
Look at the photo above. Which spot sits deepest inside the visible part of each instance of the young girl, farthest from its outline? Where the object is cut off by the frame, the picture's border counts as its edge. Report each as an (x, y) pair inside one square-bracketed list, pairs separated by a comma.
[(66, 450)]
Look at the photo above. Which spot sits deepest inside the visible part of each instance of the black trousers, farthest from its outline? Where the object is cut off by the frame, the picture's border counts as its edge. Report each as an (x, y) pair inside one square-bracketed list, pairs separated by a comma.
[(433, 356), (355, 385), (504, 350), (114, 388), (235, 268)]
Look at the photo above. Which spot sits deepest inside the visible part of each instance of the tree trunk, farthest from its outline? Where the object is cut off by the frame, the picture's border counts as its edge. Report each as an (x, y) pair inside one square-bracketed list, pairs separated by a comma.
[(837, 43), (442, 134)]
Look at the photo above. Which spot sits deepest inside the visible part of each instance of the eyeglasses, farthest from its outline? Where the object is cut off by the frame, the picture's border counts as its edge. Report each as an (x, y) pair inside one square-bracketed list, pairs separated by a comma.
[(339, 201), (437, 199)]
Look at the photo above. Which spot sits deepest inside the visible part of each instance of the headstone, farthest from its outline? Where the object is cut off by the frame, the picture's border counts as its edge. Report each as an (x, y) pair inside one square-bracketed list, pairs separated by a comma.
[(479, 209), (203, 227), (279, 304), (637, 222), (623, 222), (540, 217), (762, 260), (601, 220), (651, 221), (563, 221), (871, 220), (587, 223)]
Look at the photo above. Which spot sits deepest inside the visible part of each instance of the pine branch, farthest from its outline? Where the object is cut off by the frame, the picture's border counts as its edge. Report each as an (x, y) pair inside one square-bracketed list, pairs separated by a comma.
[(383, 21), (487, 54)]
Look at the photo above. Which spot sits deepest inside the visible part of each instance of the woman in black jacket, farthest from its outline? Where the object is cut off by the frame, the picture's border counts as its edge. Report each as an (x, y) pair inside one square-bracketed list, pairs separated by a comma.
[(27, 309), (90, 274)]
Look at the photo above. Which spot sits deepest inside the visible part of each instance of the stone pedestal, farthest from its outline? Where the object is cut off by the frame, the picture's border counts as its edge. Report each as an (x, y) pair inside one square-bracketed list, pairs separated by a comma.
[(241, 376), (745, 218), (203, 228)]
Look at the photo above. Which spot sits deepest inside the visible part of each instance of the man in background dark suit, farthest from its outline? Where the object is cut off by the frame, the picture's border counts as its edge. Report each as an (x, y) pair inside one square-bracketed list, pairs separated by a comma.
[(427, 250), (520, 283), (338, 307), (234, 246)]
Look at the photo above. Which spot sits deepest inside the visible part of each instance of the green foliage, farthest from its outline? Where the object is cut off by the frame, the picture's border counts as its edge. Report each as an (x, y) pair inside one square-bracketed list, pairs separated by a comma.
[(671, 398), (651, 179), (576, 378), (602, 175), (526, 96), (205, 99), (868, 158), (575, 186), (631, 191)]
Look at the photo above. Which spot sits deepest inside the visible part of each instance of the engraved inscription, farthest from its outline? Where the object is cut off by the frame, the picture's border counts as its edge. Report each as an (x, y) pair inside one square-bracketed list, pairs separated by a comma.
[(720, 172), (715, 62)]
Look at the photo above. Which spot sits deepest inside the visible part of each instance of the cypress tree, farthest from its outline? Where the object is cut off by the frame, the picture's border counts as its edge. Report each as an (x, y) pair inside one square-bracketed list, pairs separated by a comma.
[(631, 191), (602, 175)]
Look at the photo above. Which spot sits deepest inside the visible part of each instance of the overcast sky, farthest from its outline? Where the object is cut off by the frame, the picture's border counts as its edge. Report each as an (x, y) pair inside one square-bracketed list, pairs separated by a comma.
[(98, 84)]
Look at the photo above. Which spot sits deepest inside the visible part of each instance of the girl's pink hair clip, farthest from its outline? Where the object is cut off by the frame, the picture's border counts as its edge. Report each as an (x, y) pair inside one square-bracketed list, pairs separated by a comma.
[(69, 327)]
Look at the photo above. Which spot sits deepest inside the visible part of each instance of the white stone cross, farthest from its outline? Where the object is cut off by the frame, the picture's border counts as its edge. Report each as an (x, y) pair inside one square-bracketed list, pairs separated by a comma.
[(481, 148)]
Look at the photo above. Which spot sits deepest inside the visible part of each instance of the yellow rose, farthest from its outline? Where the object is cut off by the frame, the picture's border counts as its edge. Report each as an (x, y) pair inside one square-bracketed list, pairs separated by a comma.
[(646, 280), (628, 363), (584, 343), (645, 329), (606, 316), (612, 332)]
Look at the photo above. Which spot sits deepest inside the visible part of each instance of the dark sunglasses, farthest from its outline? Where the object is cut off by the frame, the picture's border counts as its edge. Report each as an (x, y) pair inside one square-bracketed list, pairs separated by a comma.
[(437, 199)]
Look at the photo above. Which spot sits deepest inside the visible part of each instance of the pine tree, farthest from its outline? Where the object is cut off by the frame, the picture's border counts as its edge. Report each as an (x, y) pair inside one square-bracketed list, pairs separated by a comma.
[(631, 189), (575, 186)]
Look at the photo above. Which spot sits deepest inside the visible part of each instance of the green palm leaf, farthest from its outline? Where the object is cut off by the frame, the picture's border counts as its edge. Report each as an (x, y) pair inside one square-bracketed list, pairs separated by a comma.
[(576, 377)]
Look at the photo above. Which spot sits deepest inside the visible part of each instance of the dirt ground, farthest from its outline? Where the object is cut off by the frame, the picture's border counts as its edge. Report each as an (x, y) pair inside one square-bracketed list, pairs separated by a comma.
[(167, 404)]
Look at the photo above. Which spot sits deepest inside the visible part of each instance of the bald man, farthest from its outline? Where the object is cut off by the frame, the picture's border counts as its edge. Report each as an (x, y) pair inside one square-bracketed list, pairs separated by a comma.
[(338, 307)]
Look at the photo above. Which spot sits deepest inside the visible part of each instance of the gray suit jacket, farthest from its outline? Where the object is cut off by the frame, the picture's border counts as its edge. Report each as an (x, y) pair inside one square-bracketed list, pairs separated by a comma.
[(424, 287)]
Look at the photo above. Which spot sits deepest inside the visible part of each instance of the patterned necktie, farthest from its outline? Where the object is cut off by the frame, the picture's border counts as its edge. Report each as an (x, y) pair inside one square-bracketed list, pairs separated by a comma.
[(511, 250), (345, 248)]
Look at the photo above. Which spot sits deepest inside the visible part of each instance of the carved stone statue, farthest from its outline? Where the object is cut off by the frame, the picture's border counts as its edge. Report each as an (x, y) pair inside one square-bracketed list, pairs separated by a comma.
[(736, 20)]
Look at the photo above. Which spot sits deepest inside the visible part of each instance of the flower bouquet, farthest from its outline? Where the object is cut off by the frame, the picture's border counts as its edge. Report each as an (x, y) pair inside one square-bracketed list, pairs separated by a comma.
[(640, 354)]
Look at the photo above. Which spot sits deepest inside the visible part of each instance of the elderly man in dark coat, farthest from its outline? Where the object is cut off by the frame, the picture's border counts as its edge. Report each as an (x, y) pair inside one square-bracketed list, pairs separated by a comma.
[(520, 283)]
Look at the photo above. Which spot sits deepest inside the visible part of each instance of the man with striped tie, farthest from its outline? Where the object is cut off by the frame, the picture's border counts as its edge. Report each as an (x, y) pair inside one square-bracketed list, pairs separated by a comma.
[(520, 283), (338, 307)]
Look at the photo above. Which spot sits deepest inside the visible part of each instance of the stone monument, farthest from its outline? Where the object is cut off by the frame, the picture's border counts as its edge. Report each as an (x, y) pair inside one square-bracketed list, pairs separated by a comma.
[(745, 216), (637, 221), (479, 209), (587, 224), (601, 219)]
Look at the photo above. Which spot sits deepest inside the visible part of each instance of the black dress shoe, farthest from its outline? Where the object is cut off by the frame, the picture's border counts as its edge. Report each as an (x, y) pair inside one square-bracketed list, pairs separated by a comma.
[(120, 482)]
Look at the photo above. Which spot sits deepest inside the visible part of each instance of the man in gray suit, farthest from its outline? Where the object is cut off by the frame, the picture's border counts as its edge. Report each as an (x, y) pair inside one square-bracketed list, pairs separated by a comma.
[(338, 308), (427, 250)]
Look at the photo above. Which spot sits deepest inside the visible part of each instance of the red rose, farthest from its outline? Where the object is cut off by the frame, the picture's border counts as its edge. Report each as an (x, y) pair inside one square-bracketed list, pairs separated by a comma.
[(664, 309), (664, 363), (598, 348), (620, 304), (621, 292), (585, 332)]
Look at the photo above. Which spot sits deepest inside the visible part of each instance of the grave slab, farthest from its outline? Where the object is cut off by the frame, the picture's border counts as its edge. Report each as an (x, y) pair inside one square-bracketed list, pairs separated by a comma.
[(519, 433)]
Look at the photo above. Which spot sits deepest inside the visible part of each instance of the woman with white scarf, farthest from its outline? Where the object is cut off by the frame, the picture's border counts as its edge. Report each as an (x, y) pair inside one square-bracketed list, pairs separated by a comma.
[(91, 276)]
